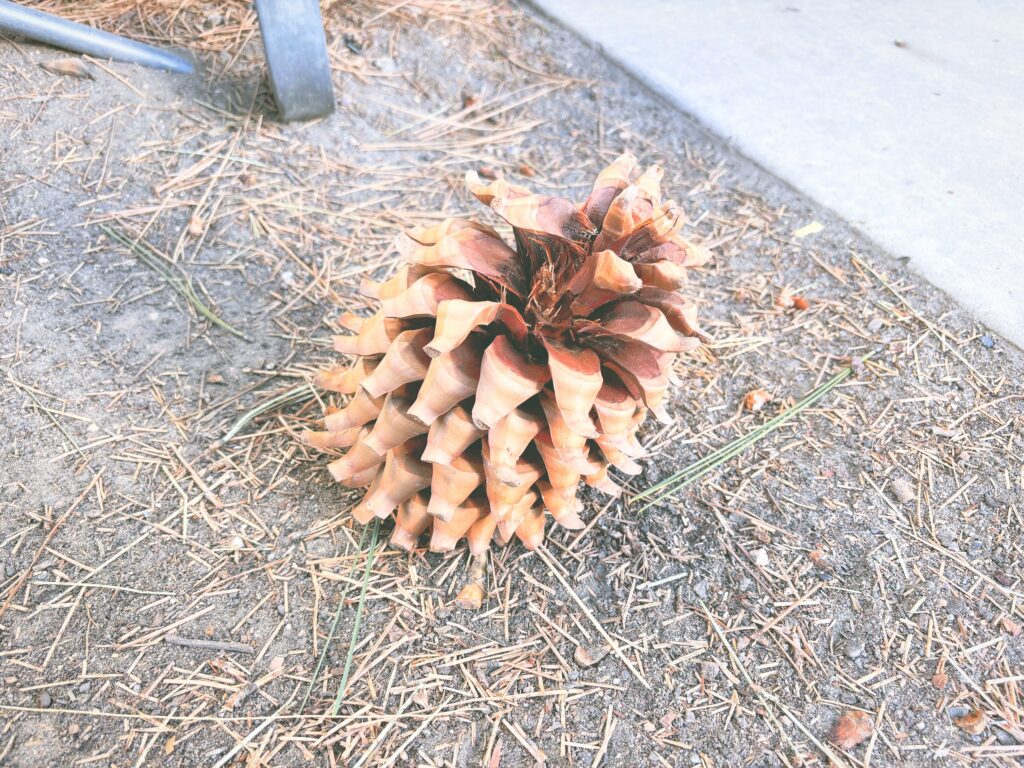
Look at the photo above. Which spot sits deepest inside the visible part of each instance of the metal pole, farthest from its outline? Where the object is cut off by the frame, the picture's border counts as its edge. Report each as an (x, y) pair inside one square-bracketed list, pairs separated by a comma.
[(300, 71), (53, 30)]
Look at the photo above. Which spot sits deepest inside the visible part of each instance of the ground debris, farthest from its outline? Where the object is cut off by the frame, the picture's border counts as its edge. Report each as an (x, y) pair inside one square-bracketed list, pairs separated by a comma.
[(131, 507), (851, 728), (71, 66)]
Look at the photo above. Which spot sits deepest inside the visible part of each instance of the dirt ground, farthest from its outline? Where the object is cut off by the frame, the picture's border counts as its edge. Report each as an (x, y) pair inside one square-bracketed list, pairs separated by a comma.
[(865, 557)]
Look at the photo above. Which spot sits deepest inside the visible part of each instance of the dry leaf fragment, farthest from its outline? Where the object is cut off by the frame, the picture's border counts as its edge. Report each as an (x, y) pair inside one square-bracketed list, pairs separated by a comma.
[(939, 680), (169, 745), (851, 729), (974, 722), (819, 559), (588, 657), (789, 300), (808, 229), (495, 760), (196, 225), (756, 400), (71, 66)]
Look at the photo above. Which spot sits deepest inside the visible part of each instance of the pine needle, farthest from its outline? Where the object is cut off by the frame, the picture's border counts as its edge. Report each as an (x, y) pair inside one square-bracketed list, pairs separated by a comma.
[(334, 627), (358, 619), (171, 274), (299, 394), (690, 474)]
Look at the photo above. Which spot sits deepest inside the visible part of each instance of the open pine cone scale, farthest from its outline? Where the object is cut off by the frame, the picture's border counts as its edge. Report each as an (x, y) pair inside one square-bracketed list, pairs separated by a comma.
[(494, 378)]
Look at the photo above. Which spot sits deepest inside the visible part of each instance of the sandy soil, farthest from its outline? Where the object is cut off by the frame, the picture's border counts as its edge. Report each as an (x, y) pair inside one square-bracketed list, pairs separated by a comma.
[(865, 557)]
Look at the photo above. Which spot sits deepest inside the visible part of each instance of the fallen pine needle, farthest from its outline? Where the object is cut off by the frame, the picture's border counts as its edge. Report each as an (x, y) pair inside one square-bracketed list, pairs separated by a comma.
[(330, 636), (359, 617), (171, 274), (690, 474), (297, 394)]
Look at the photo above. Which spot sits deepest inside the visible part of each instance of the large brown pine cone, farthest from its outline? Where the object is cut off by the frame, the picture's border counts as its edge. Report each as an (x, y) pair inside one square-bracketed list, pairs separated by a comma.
[(494, 378)]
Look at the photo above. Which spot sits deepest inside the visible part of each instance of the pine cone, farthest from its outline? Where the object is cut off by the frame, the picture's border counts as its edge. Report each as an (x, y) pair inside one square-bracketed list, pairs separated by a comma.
[(493, 379)]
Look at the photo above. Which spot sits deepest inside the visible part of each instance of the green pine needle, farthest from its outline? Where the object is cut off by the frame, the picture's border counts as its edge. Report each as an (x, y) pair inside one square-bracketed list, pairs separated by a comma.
[(299, 394), (675, 483), (359, 618), (172, 275), (334, 628)]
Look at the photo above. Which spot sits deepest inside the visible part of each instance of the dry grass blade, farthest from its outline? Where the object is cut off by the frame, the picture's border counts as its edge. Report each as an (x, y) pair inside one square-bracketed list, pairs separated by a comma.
[(180, 282), (690, 474)]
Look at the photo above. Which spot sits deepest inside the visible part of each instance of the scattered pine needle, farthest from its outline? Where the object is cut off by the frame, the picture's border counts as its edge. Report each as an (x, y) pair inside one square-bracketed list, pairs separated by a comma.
[(299, 394), (171, 274), (359, 617), (330, 635), (690, 474)]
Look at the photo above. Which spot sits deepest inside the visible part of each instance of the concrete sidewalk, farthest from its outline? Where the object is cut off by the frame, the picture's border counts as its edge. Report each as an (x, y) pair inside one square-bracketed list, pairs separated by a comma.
[(905, 118)]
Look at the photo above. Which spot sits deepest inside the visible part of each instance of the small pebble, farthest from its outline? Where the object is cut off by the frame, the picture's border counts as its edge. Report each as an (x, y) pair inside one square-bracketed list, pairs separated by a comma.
[(902, 490), (1004, 738), (45, 699), (701, 588), (987, 341), (709, 670), (352, 44), (854, 647)]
